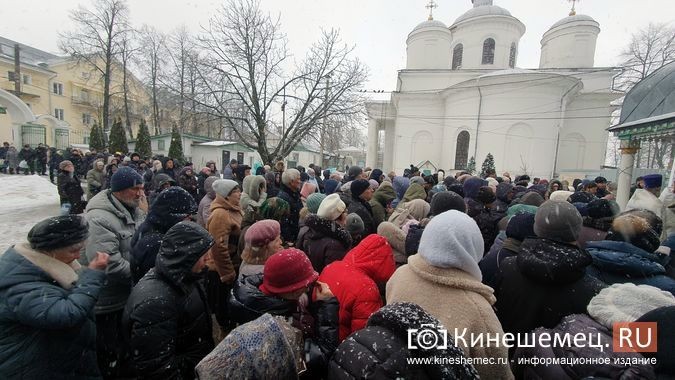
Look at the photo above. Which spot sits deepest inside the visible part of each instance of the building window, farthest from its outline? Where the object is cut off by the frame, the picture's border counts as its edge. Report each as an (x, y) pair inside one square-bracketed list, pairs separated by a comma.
[(462, 151), (512, 56), (27, 79), (161, 144), (84, 95), (489, 52), (11, 76), (58, 88), (58, 113), (457, 56), (86, 118), (85, 75)]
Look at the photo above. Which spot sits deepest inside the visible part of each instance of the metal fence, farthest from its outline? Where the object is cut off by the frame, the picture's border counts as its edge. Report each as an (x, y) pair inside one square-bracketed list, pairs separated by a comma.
[(61, 138), (33, 135)]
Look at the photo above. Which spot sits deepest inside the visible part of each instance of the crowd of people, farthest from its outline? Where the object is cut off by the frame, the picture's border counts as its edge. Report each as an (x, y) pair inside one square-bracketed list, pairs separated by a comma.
[(310, 273)]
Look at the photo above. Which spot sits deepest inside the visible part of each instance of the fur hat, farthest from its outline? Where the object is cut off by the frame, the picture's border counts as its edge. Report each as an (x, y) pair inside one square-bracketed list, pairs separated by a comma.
[(602, 208), (355, 224), (453, 240), (331, 207), (559, 221), (532, 198), (63, 164), (314, 202), (287, 271), (125, 178), (224, 187), (396, 238), (58, 232), (560, 195), (627, 302), (635, 230)]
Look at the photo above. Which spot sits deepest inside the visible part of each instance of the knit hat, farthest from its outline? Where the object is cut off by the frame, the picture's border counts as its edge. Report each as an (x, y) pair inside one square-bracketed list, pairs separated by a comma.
[(330, 185), (532, 198), (58, 232), (417, 179), (331, 207), (602, 208), (600, 180), (560, 195), (287, 271), (636, 231), (125, 178), (262, 233), (373, 184), (559, 221), (453, 240), (224, 187), (457, 188), (627, 302), (314, 201), (63, 164), (448, 200), (376, 174), (355, 224), (472, 185), (519, 208), (653, 181), (208, 185), (521, 226), (358, 187)]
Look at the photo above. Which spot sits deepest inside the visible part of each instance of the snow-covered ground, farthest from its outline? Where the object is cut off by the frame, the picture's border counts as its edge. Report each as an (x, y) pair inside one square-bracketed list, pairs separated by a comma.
[(24, 201)]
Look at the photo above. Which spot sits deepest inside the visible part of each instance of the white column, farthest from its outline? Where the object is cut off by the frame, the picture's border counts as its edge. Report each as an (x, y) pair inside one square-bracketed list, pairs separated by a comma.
[(389, 141), (625, 173), (371, 154)]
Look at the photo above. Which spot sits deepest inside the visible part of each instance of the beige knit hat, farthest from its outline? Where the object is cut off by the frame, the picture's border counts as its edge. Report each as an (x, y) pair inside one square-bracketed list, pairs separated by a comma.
[(331, 208)]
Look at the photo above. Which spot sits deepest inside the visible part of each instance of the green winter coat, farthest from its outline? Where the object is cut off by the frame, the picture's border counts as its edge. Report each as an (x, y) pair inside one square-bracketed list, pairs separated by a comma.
[(381, 198), (415, 191)]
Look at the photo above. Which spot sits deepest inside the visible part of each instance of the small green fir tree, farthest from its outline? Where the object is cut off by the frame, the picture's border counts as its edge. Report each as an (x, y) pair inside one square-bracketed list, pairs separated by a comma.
[(96, 138), (176, 147), (488, 165), (118, 138), (471, 167), (143, 141)]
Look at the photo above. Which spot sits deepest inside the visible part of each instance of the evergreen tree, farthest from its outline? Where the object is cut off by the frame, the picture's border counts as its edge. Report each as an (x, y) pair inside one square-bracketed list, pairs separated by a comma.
[(488, 164), (96, 138), (118, 138), (143, 141), (176, 147), (471, 167)]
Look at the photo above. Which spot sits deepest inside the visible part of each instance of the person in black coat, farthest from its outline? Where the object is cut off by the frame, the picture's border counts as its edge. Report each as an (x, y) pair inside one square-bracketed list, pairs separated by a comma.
[(28, 154), (166, 320), (47, 325), (362, 193), (79, 162), (41, 159), (290, 192), (70, 188), (381, 351), (168, 168), (55, 158), (547, 280), (171, 206)]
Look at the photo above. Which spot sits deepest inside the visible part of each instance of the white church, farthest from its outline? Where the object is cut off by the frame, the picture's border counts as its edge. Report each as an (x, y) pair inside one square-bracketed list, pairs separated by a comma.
[(461, 95)]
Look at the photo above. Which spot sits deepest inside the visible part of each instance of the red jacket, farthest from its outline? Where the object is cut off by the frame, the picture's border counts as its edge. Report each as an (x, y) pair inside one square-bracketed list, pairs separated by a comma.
[(353, 282)]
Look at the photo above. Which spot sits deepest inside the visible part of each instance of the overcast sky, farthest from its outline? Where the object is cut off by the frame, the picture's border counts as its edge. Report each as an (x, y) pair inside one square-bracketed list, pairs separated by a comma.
[(377, 28)]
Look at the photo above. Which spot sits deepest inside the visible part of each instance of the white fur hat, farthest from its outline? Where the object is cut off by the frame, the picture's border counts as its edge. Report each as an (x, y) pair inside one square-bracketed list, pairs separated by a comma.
[(627, 302), (331, 207)]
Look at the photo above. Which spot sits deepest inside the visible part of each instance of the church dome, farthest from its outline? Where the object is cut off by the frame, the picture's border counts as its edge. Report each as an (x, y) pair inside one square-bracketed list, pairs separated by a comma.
[(429, 24), (483, 10), (571, 19), (651, 97)]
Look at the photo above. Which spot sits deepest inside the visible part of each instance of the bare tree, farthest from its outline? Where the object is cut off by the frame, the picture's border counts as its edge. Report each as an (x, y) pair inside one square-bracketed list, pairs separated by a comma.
[(151, 64), (127, 52), (244, 77), (649, 49), (95, 41), (181, 56)]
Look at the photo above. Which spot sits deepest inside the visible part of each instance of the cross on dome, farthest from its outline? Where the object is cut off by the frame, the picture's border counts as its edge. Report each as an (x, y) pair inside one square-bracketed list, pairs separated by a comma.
[(573, 12), (432, 4)]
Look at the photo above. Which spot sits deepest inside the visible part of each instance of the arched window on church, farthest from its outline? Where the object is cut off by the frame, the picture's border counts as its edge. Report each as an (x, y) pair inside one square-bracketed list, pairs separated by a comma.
[(457, 56), (512, 56), (489, 51), (462, 151)]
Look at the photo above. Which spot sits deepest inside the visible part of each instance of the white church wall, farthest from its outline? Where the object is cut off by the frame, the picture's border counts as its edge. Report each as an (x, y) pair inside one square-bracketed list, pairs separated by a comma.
[(438, 80), (473, 34), (588, 116)]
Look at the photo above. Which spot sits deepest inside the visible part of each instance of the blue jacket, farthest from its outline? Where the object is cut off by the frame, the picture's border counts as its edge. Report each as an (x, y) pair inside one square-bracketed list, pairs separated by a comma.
[(620, 262), (46, 330)]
